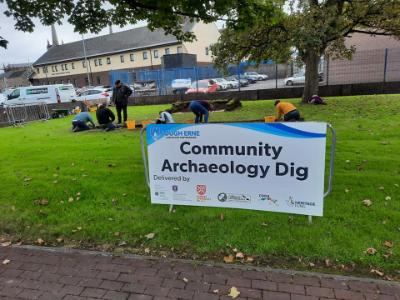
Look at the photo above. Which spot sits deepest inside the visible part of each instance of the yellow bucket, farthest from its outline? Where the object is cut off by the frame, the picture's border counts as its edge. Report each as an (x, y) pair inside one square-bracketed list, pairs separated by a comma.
[(131, 124), (269, 119), (92, 108)]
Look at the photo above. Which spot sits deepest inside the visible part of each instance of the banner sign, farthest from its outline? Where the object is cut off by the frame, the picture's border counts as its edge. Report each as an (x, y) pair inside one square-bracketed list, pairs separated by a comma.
[(260, 166)]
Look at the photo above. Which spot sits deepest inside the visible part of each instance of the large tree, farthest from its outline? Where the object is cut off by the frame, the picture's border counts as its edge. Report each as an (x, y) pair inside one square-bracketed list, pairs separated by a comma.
[(311, 28), (94, 15)]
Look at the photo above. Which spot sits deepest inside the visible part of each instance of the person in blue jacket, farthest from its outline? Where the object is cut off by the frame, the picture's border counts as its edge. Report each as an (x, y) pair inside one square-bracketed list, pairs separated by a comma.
[(201, 109)]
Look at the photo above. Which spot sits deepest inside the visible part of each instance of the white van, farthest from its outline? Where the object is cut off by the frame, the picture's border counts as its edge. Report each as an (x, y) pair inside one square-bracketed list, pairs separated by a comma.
[(55, 93)]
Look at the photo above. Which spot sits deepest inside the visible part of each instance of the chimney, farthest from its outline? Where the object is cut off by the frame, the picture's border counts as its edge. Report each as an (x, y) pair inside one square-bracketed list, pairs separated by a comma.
[(48, 44), (54, 36)]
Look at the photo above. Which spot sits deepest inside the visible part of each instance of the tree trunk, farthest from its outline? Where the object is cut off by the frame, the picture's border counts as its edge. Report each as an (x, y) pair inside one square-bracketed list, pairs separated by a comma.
[(312, 77)]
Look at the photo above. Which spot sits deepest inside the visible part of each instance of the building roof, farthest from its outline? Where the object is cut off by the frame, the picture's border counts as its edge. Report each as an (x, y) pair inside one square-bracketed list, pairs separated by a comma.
[(137, 38)]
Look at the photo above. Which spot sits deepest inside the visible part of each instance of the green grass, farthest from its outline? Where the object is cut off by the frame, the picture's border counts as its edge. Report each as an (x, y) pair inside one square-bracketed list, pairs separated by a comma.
[(47, 161)]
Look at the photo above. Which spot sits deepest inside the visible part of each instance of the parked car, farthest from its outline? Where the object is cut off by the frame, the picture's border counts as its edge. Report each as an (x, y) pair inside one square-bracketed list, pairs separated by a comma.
[(234, 83), (55, 93), (202, 86), (256, 75), (250, 78), (221, 85), (180, 86), (300, 78), (3, 99), (96, 96), (243, 81)]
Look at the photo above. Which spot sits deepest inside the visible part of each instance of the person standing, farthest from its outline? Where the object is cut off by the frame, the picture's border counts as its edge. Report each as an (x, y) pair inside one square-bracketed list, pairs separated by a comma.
[(105, 117), (287, 110), (79, 123), (201, 109), (120, 97)]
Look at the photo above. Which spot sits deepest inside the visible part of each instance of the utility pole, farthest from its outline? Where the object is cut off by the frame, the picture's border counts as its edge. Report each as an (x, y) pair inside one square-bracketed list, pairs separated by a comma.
[(86, 60), (4, 78)]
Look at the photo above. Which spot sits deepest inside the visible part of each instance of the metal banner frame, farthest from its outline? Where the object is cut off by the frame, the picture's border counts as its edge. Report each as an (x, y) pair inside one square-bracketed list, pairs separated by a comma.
[(23, 113), (331, 163)]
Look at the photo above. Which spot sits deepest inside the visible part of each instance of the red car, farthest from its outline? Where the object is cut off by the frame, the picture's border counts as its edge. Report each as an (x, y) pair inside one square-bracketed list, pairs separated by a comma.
[(203, 87)]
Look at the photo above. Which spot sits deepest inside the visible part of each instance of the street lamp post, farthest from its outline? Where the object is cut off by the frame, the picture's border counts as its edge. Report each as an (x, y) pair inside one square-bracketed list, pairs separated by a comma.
[(86, 60)]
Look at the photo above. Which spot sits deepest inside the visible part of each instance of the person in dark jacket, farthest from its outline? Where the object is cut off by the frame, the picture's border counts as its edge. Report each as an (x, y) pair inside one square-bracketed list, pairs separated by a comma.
[(200, 108), (120, 97), (105, 117)]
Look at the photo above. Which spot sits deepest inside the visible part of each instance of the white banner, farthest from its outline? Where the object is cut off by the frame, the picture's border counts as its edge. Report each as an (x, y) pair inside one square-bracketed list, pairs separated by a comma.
[(260, 166)]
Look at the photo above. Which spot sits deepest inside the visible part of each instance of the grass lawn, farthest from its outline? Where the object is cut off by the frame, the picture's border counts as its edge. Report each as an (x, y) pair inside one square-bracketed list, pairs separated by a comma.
[(113, 212)]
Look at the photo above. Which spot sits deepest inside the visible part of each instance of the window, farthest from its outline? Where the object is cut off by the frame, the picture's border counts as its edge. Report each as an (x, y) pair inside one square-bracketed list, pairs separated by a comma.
[(144, 55), (44, 69), (179, 49), (84, 63), (95, 63), (121, 57), (66, 67), (38, 70), (74, 81), (62, 67), (37, 91), (108, 60), (167, 51), (98, 80), (132, 57), (100, 62), (15, 94), (207, 50), (155, 53), (72, 66), (55, 67)]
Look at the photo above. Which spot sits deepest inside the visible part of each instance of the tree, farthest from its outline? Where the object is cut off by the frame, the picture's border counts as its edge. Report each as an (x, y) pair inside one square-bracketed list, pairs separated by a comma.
[(94, 15), (312, 27)]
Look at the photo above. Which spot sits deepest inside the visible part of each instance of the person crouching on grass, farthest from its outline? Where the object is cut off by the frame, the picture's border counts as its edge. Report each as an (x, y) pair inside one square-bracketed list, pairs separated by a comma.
[(79, 123), (165, 117), (201, 109), (105, 117), (286, 110)]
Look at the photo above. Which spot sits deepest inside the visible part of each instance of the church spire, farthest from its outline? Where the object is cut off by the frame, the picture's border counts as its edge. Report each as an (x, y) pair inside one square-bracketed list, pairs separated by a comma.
[(54, 36)]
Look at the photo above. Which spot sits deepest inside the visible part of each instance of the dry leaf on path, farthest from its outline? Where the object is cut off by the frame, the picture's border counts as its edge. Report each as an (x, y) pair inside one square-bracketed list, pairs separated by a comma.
[(59, 240), (371, 251), (147, 250), (150, 236), (239, 255), (5, 244), (388, 244), (185, 279), (229, 259), (234, 292), (6, 262), (40, 241), (249, 259), (367, 202), (377, 272)]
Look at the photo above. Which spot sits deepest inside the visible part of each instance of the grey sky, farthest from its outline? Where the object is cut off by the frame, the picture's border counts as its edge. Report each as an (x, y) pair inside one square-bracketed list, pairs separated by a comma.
[(25, 46)]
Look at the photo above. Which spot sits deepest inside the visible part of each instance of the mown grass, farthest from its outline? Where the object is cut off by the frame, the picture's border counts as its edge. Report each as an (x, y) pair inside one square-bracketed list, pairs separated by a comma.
[(47, 161)]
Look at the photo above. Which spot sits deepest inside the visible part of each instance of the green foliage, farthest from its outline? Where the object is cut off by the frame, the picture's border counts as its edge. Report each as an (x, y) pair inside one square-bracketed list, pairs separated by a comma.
[(44, 160)]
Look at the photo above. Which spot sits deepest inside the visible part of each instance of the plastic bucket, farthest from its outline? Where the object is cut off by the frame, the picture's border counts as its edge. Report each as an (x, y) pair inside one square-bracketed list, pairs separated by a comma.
[(269, 119), (131, 124)]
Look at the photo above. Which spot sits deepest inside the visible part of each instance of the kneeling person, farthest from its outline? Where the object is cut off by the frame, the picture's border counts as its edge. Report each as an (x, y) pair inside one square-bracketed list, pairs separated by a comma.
[(79, 123), (287, 110), (105, 117), (165, 117)]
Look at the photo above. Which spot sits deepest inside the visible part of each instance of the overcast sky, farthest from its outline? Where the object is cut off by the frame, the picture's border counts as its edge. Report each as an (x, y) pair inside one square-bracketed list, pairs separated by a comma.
[(27, 47)]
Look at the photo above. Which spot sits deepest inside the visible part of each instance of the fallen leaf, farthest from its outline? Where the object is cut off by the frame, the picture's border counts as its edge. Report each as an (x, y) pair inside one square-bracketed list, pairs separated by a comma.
[(116, 233), (41, 202), (327, 262), (388, 244), (150, 236), (70, 199), (6, 262), (388, 198), (60, 240), (371, 251), (215, 291), (367, 202), (346, 190), (123, 243), (249, 259), (147, 250), (79, 228), (27, 179), (124, 195), (264, 224), (5, 244), (221, 217), (235, 250), (381, 188), (229, 259), (234, 293), (377, 272), (78, 194), (185, 279), (40, 241), (239, 255), (347, 161), (311, 264)]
